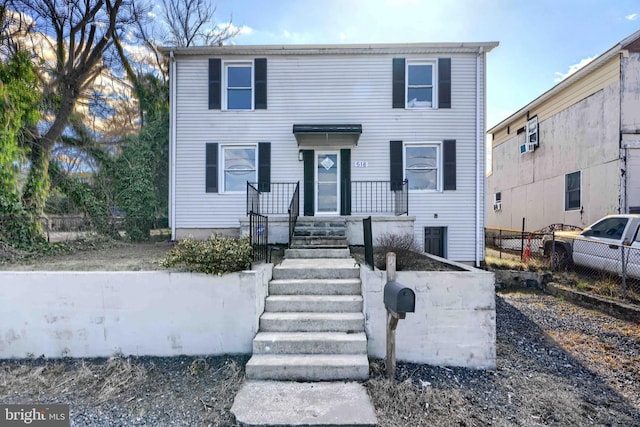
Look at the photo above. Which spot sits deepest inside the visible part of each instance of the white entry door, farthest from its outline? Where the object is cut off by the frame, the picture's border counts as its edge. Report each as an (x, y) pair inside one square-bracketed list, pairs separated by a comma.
[(327, 182)]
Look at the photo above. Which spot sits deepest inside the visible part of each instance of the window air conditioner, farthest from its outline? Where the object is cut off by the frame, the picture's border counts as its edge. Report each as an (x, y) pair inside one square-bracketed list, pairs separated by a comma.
[(497, 206)]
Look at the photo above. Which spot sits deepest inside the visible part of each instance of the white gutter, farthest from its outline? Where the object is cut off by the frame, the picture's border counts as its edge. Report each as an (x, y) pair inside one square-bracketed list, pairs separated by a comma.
[(172, 144), (479, 174)]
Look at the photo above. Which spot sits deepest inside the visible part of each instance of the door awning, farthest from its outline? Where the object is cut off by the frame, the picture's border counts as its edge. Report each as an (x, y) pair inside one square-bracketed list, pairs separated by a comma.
[(327, 135)]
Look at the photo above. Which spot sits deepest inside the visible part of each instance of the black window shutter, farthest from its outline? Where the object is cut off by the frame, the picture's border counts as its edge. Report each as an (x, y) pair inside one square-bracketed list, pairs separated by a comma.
[(345, 181), (215, 83), (444, 83), (264, 166), (309, 185), (449, 164), (398, 83), (396, 171), (260, 76), (211, 172)]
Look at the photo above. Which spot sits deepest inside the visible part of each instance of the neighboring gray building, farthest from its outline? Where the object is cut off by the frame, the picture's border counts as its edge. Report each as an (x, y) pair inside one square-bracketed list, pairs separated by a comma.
[(572, 155), (350, 123)]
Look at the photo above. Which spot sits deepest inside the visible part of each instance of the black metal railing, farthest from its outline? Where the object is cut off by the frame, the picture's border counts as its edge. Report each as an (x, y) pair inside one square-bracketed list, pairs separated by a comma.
[(368, 242), (259, 236), (369, 197), (272, 199), (253, 199), (294, 211)]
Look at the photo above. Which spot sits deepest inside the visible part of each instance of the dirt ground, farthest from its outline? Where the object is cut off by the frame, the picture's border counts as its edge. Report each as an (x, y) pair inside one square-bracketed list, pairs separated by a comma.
[(103, 256)]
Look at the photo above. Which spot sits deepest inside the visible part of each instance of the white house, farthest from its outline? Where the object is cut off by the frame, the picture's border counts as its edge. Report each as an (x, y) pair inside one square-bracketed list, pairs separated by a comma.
[(572, 155), (395, 131)]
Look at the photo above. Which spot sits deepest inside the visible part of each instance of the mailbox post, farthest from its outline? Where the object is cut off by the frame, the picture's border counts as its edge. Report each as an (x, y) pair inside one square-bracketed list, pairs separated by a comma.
[(399, 301)]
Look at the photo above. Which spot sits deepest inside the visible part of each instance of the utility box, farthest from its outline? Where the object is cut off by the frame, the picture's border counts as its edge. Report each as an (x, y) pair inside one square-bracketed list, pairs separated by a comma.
[(399, 298)]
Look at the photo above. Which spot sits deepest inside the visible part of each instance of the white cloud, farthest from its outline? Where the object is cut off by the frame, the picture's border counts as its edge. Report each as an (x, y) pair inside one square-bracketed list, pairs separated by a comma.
[(343, 36), (243, 30), (632, 17), (572, 69), (151, 14)]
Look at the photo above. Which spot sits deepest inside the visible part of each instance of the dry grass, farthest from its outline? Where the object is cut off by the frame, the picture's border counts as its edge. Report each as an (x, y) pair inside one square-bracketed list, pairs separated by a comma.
[(513, 262)]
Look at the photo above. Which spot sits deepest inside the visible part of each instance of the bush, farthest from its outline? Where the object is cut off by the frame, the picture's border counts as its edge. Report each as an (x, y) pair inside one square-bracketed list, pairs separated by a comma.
[(402, 245), (216, 255)]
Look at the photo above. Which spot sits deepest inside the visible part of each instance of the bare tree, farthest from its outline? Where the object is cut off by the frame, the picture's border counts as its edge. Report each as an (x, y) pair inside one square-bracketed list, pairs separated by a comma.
[(80, 34), (192, 23)]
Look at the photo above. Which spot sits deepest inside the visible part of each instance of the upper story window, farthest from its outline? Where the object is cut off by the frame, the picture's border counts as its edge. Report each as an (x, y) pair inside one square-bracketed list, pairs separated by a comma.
[(420, 84), (422, 166), (239, 167), (238, 85), (572, 191)]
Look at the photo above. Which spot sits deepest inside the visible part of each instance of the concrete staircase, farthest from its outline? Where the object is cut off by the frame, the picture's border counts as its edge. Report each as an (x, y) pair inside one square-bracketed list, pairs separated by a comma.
[(313, 326), (320, 233)]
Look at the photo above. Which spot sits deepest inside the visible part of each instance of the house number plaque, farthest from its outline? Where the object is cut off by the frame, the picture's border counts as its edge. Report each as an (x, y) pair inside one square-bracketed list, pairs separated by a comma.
[(360, 164)]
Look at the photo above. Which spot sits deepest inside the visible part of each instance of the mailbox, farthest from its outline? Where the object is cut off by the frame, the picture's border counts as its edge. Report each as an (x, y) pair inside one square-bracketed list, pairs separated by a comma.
[(399, 298)]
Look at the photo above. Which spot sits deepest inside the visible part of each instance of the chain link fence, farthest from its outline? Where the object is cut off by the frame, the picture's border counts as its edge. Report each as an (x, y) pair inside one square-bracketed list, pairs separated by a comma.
[(599, 266), (62, 228)]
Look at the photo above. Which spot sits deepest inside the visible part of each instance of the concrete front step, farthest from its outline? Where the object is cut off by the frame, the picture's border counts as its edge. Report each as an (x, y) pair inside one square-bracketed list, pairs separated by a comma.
[(277, 403), (317, 253), (311, 322), (320, 232), (319, 242), (315, 287), (308, 367), (319, 268), (310, 343), (314, 303)]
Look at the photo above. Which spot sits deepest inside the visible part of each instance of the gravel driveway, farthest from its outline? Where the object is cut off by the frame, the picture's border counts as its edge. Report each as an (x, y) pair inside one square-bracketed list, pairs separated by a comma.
[(558, 364)]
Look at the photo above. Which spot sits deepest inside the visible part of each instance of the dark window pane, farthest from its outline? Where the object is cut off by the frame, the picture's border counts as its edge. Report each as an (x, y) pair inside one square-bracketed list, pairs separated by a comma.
[(238, 76), (240, 158), (422, 157), (239, 99), (420, 75), (422, 179), (573, 181), (237, 180), (419, 97)]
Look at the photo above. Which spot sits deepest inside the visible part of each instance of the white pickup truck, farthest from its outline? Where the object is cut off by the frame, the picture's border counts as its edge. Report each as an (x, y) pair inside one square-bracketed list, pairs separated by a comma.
[(611, 244)]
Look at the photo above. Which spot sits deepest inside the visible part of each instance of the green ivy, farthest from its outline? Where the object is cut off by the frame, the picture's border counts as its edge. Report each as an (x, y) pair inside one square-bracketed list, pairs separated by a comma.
[(19, 98)]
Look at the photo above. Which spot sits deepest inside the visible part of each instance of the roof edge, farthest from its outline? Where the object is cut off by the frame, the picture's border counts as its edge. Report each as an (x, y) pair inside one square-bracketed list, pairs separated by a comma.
[(591, 66), (330, 48)]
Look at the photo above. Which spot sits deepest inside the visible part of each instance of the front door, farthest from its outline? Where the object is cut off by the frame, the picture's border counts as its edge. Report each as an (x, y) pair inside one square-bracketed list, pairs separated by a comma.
[(327, 165)]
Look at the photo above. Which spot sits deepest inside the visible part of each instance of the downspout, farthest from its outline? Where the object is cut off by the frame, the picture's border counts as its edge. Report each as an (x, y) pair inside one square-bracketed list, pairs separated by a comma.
[(479, 176), (172, 145)]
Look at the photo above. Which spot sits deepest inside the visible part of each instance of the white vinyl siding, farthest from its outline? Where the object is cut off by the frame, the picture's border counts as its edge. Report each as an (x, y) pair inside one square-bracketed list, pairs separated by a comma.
[(315, 89)]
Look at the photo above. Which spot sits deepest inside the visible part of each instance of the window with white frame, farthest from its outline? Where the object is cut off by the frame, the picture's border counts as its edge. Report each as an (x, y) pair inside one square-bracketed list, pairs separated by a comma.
[(238, 93), (420, 86), (238, 167), (572, 191), (422, 166)]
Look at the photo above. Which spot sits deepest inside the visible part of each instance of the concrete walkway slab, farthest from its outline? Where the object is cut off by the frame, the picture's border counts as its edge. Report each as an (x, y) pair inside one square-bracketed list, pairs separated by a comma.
[(273, 403)]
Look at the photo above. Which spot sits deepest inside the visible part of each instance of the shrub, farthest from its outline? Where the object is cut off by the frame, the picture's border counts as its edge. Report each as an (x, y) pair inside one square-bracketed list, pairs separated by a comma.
[(404, 247), (216, 255)]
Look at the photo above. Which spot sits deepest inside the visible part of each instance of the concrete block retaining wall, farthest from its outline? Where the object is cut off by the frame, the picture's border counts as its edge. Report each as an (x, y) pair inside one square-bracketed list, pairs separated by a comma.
[(98, 314), (454, 323)]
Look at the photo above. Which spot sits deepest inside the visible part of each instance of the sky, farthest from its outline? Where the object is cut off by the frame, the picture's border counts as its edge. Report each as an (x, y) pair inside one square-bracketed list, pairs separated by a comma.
[(540, 40)]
